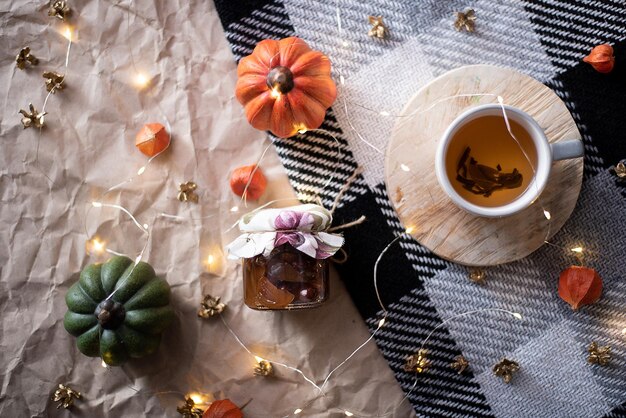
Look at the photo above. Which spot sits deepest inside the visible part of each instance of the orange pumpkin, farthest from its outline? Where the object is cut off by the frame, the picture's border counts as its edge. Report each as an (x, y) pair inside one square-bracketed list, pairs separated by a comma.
[(285, 86)]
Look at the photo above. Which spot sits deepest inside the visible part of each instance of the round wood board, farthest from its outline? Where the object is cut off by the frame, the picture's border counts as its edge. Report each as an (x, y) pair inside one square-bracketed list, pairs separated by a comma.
[(423, 207)]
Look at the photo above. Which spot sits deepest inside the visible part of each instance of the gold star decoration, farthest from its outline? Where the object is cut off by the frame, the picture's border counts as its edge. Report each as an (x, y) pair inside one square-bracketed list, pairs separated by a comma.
[(417, 363), (460, 364), (59, 9), (189, 410), (465, 20), (187, 192), (54, 81), (24, 56), (210, 306), (598, 355), (619, 170), (263, 368), (65, 396), (32, 117), (378, 29), (477, 275), (505, 369)]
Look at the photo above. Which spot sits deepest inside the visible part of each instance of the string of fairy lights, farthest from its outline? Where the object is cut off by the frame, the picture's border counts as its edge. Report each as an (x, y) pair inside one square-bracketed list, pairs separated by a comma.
[(96, 246)]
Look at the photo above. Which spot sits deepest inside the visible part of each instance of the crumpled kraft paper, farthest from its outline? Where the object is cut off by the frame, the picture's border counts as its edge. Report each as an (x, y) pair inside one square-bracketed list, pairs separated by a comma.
[(87, 147)]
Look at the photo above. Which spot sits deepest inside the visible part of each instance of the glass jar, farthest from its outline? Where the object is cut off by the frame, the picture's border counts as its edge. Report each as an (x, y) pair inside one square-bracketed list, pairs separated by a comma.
[(285, 279)]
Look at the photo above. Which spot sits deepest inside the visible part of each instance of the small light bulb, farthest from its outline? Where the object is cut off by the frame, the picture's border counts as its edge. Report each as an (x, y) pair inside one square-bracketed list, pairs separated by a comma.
[(297, 411), (405, 167), (210, 259), (345, 43), (517, 315), (141, 80), (381, 322), (409, 230), (624, 331), (104, 364), (302, 131), (95, 246), (96, 204), (141, 170), (342, 80), (578, 250), (547, 214), (348, 413), (138, 259), (234, 209), (196, 398), (384, 113), (98, 245), (146, 226), (275, 93), (67, 33), (258, 359)]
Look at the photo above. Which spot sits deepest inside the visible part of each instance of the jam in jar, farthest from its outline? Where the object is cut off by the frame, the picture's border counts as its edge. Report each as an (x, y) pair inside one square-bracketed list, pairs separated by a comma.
[(284, 279), (285, 254)]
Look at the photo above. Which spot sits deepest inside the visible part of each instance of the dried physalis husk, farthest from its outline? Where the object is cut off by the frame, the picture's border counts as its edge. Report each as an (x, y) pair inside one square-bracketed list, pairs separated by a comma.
[(601, 58), (505, 369), (598, 354), (379, 29), (580, 286), (619, 170), (465, 20)]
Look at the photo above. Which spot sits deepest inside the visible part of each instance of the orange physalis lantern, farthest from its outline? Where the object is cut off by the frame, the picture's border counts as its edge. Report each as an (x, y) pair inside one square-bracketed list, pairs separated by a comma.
[(152, 139), (240, 178), (223, 408), (580, 286)]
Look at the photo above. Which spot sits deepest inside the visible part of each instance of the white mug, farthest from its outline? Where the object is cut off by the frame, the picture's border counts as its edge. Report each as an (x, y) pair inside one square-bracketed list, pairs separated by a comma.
[(547, 153)]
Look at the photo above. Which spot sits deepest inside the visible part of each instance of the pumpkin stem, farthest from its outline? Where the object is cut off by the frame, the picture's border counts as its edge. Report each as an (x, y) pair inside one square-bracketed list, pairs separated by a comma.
[(110, 314), (281, 79)]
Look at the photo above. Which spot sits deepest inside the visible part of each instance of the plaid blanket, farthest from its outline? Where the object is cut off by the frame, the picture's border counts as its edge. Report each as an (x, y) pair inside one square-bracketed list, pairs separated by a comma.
[(542, 38)]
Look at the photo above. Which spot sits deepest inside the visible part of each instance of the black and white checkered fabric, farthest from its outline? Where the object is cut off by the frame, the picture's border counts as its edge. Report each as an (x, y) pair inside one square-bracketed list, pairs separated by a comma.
[(545, 39)]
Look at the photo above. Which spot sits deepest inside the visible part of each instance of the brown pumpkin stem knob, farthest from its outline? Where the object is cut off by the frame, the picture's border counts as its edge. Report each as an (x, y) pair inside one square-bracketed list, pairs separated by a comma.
[(110, 314), (281, 79)]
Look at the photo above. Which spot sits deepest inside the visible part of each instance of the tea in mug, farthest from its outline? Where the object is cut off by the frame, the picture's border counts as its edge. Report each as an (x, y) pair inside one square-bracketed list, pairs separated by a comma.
[(486, 165)]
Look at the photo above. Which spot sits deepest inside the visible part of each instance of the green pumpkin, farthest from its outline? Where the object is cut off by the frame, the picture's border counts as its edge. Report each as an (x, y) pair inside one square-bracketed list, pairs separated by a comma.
[(118, 310)]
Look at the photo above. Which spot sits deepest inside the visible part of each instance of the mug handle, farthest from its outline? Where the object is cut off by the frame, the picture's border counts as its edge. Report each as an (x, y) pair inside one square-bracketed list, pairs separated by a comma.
[(564, 150)]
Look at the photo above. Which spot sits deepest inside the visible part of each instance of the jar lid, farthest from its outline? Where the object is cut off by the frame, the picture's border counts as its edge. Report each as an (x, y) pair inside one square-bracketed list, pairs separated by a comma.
[(303, 227)]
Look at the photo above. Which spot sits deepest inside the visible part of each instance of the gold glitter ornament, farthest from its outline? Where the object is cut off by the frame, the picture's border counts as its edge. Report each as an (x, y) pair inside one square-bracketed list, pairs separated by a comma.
[(417, 363), (32, 117), (263, 368), (59, 9), (465, 20), (65, 396), (210, 306), (54, 81), (189, 410), (505, 369), (598, 355), (460, 364), (378, 29), (24, 56), (187, 192), (477, 275)]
